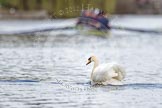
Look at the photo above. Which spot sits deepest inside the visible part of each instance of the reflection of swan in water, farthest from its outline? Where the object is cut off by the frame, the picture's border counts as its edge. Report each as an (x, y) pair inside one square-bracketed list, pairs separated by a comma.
[(106, 74), (128, 86), (143, 85), (118, 87)]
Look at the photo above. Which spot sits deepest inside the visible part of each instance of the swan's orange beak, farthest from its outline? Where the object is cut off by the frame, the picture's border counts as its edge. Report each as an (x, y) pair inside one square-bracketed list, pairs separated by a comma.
[(88, 62)]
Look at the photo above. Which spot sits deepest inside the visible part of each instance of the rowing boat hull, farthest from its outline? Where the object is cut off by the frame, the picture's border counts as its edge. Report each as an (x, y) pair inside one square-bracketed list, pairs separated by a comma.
[(84, 29)]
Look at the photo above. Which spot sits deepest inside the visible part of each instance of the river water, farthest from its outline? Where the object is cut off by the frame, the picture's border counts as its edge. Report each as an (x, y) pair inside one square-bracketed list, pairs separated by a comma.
[(47, 70)]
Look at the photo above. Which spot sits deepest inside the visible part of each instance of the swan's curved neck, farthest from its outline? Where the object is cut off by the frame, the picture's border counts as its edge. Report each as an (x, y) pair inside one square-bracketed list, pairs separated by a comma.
[(96, 63)]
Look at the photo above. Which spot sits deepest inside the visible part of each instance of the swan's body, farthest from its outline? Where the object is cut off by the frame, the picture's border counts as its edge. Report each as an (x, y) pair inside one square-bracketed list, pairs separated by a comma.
[(109, 73)]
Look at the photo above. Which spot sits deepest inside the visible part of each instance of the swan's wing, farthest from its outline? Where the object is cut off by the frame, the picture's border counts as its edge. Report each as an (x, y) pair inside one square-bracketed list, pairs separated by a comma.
[(114, 70), (120, 71), (105, 71), (99, 74), (108, 68), (111, 72)]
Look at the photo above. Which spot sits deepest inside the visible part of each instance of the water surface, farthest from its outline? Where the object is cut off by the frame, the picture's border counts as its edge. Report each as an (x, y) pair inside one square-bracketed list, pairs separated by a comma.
[(48, 70)]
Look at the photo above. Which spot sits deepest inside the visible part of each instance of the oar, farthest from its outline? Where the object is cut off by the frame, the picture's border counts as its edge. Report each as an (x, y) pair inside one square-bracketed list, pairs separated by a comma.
[(69, 28), (136, 29), (34, 31)]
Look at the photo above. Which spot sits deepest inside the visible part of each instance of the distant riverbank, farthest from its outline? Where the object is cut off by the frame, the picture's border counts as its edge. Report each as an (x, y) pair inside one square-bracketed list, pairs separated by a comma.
[(44, 9), (52, 8), (13, 14)]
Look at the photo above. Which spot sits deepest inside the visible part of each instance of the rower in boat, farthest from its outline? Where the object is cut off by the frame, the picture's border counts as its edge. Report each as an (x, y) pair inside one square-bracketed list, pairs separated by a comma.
[(95, 18)]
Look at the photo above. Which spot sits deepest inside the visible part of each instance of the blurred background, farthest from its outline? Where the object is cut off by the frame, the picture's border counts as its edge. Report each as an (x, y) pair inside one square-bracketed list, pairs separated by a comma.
[(43, 54), (71, 8)]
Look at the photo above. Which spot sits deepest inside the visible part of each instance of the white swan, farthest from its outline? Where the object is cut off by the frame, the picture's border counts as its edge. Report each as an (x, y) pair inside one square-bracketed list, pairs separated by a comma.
[(109, 73)]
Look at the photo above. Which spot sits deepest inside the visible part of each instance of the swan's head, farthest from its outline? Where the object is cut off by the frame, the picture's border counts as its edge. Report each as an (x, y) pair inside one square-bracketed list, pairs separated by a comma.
[(91, 59)]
